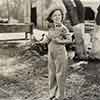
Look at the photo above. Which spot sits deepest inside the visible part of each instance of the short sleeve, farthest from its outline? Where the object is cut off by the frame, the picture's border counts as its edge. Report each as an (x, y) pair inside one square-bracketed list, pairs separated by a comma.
[(65, 30), (66, 33)]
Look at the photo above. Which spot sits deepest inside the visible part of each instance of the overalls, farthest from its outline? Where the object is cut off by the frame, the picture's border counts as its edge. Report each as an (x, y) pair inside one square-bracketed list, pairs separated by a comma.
[(57, 62)]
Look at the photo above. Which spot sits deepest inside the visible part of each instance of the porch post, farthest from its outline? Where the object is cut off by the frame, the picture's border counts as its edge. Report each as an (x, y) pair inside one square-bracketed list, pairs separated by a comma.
[(27, 16), (27, 11)]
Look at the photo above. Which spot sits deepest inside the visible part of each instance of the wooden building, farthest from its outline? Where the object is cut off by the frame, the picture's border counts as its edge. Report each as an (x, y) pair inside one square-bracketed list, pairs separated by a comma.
[(34, 11)]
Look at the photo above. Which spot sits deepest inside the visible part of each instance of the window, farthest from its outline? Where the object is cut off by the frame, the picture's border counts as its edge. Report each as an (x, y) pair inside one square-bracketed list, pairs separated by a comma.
[(11, 11)]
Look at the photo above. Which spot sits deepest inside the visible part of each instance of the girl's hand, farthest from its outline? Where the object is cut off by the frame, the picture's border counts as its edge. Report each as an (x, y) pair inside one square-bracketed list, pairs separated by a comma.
[(64, 41)]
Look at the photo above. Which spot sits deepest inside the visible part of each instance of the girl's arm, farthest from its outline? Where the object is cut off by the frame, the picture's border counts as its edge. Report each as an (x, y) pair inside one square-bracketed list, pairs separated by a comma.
[(45, 40)]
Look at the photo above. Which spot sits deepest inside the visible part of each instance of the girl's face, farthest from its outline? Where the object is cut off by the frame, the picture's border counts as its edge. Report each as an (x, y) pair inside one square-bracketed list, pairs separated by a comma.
[(57, 17)]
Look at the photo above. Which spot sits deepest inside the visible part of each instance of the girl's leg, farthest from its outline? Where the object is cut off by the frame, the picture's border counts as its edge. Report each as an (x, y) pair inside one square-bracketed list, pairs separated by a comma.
[(60, 75), (52, 77)]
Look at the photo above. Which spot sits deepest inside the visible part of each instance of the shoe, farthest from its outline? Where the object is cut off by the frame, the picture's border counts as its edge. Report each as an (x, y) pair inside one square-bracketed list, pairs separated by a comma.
[(56, 99), (52, 98)]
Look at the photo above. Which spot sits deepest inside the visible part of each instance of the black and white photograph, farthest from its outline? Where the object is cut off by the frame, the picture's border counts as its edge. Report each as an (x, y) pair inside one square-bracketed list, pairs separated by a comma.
[(49, 49)]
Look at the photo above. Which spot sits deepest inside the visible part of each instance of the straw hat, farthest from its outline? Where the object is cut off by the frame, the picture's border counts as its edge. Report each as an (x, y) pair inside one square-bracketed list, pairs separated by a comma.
[(55, 4)]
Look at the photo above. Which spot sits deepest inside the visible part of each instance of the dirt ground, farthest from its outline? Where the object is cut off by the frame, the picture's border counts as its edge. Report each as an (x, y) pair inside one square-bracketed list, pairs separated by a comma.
[(24, 76)]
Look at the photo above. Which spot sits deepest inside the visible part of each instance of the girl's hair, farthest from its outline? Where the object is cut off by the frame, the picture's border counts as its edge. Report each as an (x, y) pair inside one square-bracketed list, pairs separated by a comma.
[(49, 19)]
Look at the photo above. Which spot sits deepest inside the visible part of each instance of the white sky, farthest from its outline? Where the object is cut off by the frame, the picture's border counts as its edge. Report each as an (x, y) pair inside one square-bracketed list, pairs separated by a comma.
[(92, 3), (90, 0), (85, 1), (81, 0)]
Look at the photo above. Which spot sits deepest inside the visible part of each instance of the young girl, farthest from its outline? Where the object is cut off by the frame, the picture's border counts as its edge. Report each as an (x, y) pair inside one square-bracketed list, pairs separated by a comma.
[(57, 54)]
